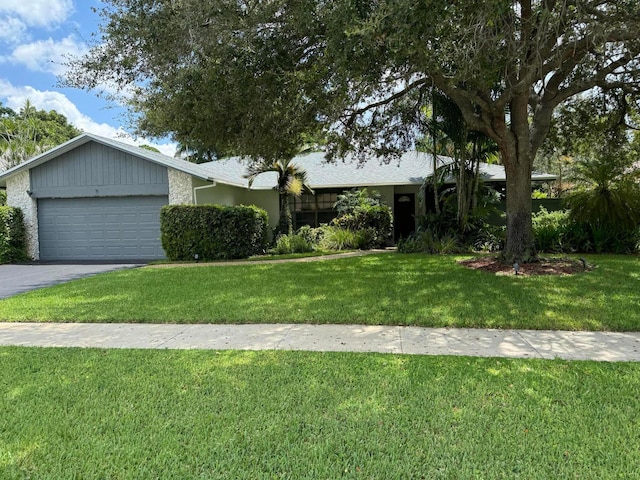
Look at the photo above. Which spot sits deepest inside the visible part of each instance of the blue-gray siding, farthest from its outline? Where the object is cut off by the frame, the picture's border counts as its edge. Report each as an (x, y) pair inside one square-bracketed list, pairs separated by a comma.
[(111, 228), (95, 170)]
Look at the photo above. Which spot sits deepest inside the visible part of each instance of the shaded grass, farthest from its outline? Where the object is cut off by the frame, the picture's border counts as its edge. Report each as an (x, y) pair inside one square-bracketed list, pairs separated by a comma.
[(388, 289), (72, 413)]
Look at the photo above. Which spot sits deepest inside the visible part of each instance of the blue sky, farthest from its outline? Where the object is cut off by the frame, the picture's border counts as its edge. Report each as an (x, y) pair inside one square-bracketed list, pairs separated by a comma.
[(35, 37)]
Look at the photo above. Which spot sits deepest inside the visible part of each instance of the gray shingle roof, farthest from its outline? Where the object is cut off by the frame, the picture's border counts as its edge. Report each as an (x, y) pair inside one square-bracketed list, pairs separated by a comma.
[(411, 169)]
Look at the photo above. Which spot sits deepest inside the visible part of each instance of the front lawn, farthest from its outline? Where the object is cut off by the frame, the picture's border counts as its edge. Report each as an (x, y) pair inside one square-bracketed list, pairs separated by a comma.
[(389, 289), (73, 413)]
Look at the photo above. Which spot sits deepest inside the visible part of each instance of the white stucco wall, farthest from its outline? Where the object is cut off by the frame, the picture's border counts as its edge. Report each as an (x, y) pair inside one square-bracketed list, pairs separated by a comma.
[(180, 187), (17, 196)]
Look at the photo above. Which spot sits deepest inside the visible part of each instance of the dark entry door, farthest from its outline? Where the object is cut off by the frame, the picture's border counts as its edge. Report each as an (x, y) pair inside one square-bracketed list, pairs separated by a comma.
[(404, 208)]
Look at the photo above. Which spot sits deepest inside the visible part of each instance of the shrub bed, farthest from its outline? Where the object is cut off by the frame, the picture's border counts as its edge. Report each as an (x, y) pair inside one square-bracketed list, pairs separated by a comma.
[(213, 232), (12, 235)]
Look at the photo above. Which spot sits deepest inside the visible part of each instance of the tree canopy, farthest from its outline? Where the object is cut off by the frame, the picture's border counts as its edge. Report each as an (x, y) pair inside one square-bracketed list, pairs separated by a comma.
[(254, 76), (29, 132)]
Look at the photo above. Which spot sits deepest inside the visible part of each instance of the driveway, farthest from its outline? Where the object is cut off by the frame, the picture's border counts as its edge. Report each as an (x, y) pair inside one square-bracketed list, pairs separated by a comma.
[(16, 279)]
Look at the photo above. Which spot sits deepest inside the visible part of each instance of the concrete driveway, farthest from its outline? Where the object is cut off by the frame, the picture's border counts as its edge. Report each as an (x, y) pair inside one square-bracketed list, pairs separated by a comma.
[(16, 279)]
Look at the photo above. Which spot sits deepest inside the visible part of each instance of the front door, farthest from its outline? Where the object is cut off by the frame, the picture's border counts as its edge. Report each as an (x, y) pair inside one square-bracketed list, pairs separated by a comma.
[(404, 210)]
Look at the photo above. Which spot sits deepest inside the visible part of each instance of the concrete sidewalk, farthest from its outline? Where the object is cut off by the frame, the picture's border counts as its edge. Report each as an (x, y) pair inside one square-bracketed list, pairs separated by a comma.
[(602, 346)]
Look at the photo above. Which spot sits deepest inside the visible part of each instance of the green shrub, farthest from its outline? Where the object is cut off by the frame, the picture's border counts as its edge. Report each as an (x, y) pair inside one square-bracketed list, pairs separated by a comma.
[(213, 232), (336, 238), (426, 241), (13, 239), (550, 231), (292, 244), (3, 198), (360, 211), (311, 235)]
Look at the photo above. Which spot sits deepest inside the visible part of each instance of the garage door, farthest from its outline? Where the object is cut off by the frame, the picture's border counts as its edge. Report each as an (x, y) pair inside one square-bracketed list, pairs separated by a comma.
[(113, 228)]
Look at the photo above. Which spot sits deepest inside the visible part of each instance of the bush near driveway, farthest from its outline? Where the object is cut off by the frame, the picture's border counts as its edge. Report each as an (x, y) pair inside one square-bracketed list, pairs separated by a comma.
[(12, 235), (213, 232)]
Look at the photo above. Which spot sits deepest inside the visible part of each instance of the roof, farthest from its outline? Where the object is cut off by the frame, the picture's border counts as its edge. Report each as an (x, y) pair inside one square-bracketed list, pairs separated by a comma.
[(410, 169), (155, 157)]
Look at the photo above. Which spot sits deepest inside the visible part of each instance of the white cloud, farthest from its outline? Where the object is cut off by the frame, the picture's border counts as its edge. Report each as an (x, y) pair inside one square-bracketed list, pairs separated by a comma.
[(49, 100), (12, 29), (38, 13), (47, 55)]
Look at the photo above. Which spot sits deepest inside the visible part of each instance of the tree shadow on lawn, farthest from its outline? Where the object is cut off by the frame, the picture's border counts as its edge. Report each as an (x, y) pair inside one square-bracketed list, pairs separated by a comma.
[(386, 289)]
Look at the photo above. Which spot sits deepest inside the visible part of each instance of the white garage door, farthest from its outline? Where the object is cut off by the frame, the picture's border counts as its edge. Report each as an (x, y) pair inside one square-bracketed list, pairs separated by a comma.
[(112, 228)]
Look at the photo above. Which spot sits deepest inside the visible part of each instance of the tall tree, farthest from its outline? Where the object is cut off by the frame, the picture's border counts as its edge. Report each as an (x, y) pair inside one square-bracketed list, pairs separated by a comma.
[(29, 132), (252, 76)]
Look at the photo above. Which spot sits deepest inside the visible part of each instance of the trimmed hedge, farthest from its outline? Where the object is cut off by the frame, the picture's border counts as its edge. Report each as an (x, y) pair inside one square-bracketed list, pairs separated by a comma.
[(213, 232), (13, 238)]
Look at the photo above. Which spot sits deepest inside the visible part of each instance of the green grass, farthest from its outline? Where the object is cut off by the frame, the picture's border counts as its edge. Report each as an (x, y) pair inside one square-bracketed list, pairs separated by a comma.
[(387, 289), (72, 413)]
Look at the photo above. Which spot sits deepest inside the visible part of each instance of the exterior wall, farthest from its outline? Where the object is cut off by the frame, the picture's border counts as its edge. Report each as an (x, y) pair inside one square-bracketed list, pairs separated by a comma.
[(17, 196), (218, 194), (95, 170), (180, 187), (267, 199), (221, 194)]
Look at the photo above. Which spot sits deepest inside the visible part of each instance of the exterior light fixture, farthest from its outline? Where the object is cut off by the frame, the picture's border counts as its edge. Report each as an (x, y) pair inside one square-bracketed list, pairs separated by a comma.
[(196, 257), (516, 268)]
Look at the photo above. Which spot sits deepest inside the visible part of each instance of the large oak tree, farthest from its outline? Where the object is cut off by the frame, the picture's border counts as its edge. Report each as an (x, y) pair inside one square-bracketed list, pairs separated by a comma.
[(255, 76)]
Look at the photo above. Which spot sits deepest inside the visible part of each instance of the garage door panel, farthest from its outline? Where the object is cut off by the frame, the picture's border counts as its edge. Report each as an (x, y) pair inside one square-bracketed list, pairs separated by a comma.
[(113, 228)]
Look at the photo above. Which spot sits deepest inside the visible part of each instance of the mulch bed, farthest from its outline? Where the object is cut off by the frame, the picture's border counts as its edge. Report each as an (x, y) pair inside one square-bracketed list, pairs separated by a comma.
[(544, 266)]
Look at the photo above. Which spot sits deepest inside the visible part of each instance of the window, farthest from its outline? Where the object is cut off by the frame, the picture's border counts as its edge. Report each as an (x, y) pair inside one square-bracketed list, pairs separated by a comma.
[(315, 210)]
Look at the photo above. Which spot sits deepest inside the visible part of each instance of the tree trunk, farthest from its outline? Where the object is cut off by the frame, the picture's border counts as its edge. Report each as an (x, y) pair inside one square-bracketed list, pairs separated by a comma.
[(285, 224), (520, 245)]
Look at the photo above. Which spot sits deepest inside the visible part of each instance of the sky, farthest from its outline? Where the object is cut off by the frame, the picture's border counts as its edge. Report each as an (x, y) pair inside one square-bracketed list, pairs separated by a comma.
[(35, 38)]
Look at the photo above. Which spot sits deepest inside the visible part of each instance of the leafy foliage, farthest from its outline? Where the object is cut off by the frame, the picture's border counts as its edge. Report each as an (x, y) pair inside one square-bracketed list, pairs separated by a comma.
[(3, 197), (364, 212), (338, 238), (13, 247), (292, 181), (30, 132), (213, 232), (294, 243)]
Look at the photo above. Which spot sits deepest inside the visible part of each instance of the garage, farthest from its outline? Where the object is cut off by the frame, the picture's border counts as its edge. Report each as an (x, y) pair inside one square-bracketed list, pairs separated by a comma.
[(98, 229)]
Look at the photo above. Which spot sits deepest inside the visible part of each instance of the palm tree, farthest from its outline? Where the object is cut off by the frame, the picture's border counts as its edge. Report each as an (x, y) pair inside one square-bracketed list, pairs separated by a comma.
[(292, 180)]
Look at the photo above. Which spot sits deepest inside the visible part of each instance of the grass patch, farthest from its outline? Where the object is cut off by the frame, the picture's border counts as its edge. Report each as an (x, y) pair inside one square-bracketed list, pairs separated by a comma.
[(385, 289), (73, 413)]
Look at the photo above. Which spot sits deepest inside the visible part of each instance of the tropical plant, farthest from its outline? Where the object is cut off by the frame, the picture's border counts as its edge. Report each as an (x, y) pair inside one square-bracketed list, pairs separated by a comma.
[(361, 211), (292, 180), (450, 137), (606, 199), (29, 132), (294, 243)]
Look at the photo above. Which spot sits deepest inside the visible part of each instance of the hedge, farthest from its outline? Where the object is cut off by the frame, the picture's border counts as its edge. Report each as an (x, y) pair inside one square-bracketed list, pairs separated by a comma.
[(13, 239), (213, 232)]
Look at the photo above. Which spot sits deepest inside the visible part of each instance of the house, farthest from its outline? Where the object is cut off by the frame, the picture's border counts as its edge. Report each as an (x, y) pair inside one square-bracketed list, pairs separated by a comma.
[(97, 199)]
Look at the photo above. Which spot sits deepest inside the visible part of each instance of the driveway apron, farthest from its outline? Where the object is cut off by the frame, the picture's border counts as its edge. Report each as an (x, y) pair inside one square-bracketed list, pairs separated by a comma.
[(16, 279)]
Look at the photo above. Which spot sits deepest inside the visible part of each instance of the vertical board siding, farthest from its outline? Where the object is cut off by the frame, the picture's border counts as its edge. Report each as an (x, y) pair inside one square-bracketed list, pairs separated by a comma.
[(96, 165)]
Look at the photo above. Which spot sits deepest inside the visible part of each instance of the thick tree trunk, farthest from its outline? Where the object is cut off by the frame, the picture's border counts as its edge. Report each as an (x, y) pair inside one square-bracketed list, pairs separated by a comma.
[(520, 245)]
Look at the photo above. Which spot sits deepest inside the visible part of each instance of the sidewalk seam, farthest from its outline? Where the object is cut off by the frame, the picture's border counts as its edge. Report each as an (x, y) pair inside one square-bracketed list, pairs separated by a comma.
[(540, 355)]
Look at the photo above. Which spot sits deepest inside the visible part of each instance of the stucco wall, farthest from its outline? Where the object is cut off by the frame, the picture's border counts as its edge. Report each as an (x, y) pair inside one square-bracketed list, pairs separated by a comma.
[(267, 199), (221, 194), (17, 196), (180, 187)]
